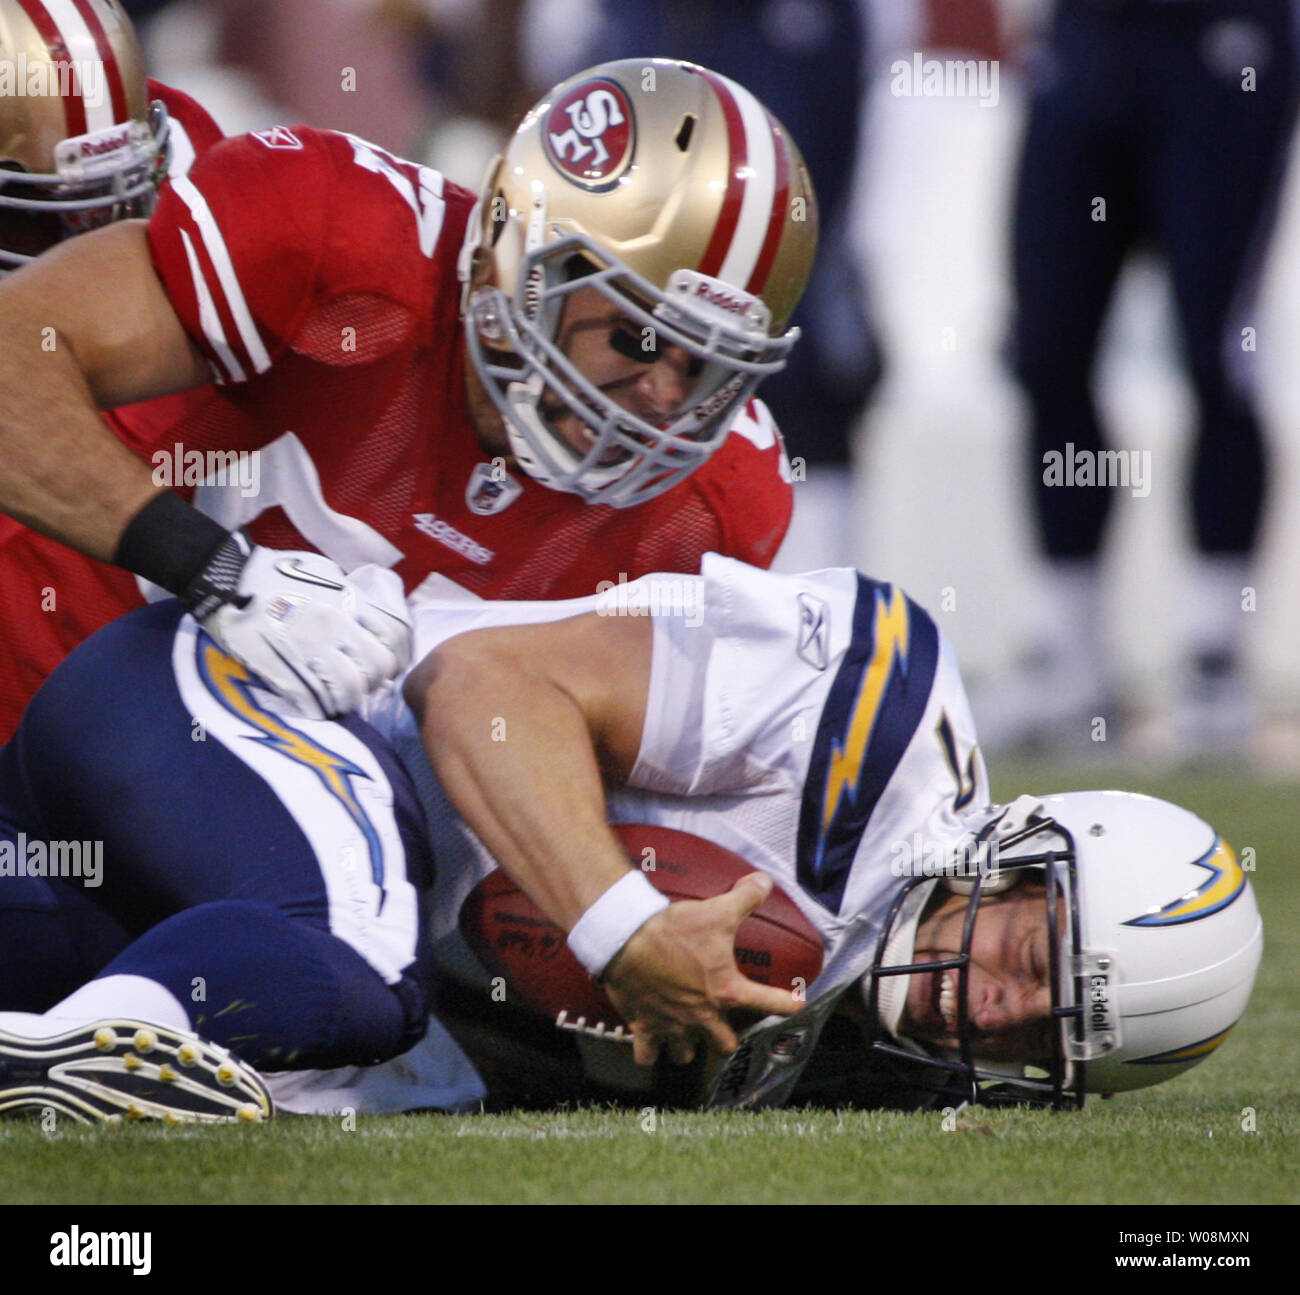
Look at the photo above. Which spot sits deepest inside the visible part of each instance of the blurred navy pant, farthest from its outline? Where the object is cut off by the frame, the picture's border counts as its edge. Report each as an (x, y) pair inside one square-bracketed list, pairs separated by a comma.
[(1142, 105)]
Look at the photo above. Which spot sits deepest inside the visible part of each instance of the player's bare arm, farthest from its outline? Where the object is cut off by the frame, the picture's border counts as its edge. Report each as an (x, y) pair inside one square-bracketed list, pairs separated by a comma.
[(524, 726), (84, 328), (89, 327)]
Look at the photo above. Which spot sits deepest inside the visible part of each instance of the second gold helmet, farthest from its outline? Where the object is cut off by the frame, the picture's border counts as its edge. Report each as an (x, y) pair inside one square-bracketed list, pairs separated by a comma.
[(80, 143)]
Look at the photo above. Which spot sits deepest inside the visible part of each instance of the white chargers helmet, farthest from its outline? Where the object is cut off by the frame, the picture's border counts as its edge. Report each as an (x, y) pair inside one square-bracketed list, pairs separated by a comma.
[(1155, 939)]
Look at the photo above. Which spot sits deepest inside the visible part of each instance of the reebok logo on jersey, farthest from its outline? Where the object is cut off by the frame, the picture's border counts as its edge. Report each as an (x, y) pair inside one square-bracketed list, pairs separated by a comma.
[(278, 137), (445, 533), (814, 631)]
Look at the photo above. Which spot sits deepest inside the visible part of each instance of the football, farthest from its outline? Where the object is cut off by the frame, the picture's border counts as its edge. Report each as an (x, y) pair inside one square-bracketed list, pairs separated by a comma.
[(512, 938)]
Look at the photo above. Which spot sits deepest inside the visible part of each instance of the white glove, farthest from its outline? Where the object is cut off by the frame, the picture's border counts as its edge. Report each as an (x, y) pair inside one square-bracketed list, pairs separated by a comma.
[(318, 637)]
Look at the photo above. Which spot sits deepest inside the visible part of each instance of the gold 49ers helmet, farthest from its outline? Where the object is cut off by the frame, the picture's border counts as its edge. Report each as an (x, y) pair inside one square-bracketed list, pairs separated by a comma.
[(675, 194), (80, 144)]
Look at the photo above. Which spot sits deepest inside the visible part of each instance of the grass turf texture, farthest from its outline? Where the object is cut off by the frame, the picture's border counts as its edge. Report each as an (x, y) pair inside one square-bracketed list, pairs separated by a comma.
[(1186, 1143)]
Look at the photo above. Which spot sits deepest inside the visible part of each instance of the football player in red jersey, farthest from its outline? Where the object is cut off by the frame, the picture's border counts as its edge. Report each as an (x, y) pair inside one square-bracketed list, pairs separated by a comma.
[(71, 162), (423, 383)]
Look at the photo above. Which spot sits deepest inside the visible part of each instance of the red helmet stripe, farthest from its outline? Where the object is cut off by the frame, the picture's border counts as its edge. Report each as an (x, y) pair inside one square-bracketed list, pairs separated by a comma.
[(776, 222), (74, 107), (724, 231), (108, 56)]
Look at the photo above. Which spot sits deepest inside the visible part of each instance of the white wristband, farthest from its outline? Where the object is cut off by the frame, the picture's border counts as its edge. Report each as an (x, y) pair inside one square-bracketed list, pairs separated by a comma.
[(613, 920)]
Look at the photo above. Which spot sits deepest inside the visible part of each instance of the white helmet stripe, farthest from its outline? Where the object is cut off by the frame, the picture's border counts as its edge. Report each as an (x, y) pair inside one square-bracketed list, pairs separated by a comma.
[(756, 207), (741, 230), (760, 188), (83, 50)]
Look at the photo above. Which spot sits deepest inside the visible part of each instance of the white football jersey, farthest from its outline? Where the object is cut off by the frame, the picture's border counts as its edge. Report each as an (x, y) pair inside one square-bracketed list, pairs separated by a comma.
[(815, 724)]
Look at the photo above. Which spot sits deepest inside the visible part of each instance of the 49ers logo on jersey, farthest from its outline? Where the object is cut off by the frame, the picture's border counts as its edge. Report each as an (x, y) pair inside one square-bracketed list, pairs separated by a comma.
[(590, 134)]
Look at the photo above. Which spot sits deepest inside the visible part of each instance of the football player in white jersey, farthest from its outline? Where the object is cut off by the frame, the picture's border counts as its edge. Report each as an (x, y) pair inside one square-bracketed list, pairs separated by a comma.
[(817, 726)]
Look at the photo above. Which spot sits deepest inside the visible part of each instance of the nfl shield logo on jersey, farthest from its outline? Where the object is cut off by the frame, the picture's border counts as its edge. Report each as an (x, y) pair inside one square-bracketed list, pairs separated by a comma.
[(491, 489)]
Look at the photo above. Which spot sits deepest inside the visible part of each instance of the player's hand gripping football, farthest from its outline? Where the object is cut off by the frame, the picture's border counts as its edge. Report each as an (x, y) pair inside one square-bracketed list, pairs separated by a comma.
[(677, 976), (318, 637)]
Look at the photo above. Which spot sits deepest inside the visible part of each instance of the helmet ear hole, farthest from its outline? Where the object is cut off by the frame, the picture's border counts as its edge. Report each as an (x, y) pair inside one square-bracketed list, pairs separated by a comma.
[(577, 267), (684, 132)]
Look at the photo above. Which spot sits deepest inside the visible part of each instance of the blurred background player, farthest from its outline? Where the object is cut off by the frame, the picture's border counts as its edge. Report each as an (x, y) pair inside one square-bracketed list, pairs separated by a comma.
[(408, 452), (1176, 117)]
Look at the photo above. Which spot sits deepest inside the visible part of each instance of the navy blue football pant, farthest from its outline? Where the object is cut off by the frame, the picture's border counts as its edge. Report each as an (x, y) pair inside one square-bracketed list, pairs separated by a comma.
[(269, 872), (1144, 104)]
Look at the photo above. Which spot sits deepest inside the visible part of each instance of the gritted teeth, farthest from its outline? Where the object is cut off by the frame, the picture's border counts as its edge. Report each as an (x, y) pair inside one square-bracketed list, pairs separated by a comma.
[(948, 1000)]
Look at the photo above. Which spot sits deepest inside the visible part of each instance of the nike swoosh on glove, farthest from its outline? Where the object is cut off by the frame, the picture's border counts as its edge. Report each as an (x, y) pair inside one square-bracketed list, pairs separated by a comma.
[(318, 637)]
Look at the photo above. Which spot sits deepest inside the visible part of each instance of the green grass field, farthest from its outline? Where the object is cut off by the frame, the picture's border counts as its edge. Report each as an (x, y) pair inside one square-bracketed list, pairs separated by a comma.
[(1228, 1132)]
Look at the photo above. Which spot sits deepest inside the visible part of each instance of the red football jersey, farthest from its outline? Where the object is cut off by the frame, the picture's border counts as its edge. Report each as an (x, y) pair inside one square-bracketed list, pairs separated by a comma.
[(318, 274), (51, 597)]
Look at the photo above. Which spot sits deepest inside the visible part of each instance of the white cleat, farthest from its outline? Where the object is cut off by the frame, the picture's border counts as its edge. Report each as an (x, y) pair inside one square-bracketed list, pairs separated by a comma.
[(126, 1070)]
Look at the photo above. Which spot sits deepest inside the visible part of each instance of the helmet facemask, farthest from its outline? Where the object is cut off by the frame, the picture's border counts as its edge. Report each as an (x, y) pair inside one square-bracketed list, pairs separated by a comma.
[(959, 1074), (518, 346), (101, 178), (1153, 955)]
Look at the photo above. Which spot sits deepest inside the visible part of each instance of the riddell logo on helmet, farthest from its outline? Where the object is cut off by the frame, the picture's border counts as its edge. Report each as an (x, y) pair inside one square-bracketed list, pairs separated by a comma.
[(589, 134), (704, 290), (98, 146), (1100, 1015), (722, 299)]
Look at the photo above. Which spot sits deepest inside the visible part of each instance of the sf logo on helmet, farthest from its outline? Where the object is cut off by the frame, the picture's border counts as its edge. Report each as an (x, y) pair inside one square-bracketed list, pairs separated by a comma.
[(589, 133)]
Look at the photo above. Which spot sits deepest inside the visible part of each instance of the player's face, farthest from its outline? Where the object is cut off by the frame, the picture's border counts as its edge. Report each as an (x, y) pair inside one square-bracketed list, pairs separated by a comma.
[(1010, 995), (624, 361)]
